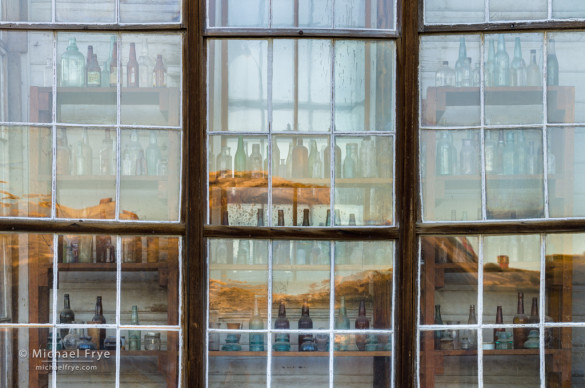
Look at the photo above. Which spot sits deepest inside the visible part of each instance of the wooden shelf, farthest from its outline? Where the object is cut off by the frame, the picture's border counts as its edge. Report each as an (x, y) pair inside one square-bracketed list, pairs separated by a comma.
[(495, 352), (93, 267), (112, 354), (380, 353), (307, 267)]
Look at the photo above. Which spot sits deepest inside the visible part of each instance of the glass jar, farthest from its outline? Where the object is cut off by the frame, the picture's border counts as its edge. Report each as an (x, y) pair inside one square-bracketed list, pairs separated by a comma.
[(152, 341)]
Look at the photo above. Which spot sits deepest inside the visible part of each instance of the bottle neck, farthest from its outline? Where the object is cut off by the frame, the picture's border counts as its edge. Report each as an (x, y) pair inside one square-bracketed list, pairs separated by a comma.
[(306, 217), (520, 303), (255, 307), (305, 310), (362, 310), (66, 303), (499, 315), (534, 310), (282, 311), (98, 307)]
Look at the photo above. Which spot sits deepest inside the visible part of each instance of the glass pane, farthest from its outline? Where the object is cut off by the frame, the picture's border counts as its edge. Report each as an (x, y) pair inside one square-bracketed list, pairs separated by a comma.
[(237, 86), (26, 76), (364, 85), (86, 97), (518, 10), (513, 84), (515, 183), (302, 71), (372, 367), (25, 171), (363, 278), (446, 12), (82, 190), (559, 370), (156, 364), (150, 279), (301, 183), (23, 260), (245, 371), (315, 371), (85, 11), (449, 78), (565, 79), (151, 79), (308, 14), (377, 14), (150, 175), (516, 368), (364, 186), (28, 371), (564, 176), (235, 13), (145, 11), (568, 9), (26, 11), (451, 175), (238, 184)]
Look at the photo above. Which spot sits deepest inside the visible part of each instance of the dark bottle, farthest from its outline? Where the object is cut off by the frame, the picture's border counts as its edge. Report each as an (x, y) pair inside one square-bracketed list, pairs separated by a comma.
[(499, 321), (306, 217), (328, 218), (281, 340), (259, 246), (352, 220), (438, 321), (520, 334), (281, 247), (361, 323), (552, 65), (225, 219), (99, 318), (300, 160), (66, 316), (92, 79), (159, 73), (534, 318), (114, 66), (305, 322), (132, 69)]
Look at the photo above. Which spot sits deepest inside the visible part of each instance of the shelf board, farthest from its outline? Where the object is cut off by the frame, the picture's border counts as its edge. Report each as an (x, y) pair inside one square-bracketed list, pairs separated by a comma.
[(306, 267), (112, 354), (496, 352), (129, 267), (381, 353)]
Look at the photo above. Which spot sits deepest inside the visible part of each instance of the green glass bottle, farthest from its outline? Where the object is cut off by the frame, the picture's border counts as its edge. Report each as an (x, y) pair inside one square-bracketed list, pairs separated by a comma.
[(256, 323), (240, 157), (518, 66), (153, 155), (342, 323), (72, 72), (490, 65), (509, 155), (502, 74), (134, 335), (460, 64), (552, 65)]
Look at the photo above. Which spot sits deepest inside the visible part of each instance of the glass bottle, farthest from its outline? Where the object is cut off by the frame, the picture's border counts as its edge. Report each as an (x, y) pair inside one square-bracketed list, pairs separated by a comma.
[(243, 255), (476, 75), (509, 155), (502, 73), (533, 77), (256, 323), (94, 73), (490, 65), (499, 321), (145, 66), (84, 156), (300, 160), (224, 163), (315, 167), (521, 154), (384, 157), (67, 315), (468, 158), (260, 253), (342, 323), (255, 162), (63, 154), (361, 323), (471, 335), (114, 66), (288, 171), (490, 151), (240, 157), (350, 161), (445, 76), (104, 251), (518, 66), (153, 155), (282, 247), (134, 336), (306, 221), (99, 318), (131, 154), (367, 158), (72, 338), (444, 158), (281, 340), (305, 322), (107, 155), (520, 334), (499, 154), (438, 334), (534, 317), (72, 68), (132, 68), (140, 164), (159, 73), (466, 73), (460, 62), (275, 160), (327, 161), (531, 160), (552, 65)]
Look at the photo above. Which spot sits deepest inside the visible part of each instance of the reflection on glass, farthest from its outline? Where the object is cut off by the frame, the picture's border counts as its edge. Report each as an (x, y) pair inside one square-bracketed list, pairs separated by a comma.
[(363, 193), (568, 9), (85, 11), (27, 11), (564, 177), (571, 351), (564, 78), (253, 370), (254, 13), (315, 370), (364, 85), (378, 14), (159, 11), (237, 82), (25, 171), (238, 183), (514, 166), (451, 175), (518, 10), (436, 12), (302, 71), (449, 72), (300, 181), (365, 371), (516, 370), (151, 79), (150, 174)]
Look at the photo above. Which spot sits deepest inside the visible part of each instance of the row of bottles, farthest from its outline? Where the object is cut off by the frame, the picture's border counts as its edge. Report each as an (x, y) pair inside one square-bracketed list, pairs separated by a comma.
[(97, 335), (508, 154), (75, 71), (78, 160), (372, 160), (499, 71), (519, 338)]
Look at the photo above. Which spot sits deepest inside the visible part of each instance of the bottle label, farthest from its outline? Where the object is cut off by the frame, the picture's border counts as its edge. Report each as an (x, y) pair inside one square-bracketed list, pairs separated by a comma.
[(93, 78)]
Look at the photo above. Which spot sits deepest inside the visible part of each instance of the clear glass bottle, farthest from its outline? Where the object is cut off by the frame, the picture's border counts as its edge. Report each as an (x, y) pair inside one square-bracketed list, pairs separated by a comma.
[(476, 75), (466, 73), (63, 154), (152, 341), (521, 154), (159, 73), (256, 323), (153, 155), (502, 73), (66, 315), (300, 160), (107, 155), (224, 163), (145, 64), (361, 323), (552, 65), (132, 68), (72, 70), (518, 66), (490, 65), (367, 158), (255, 162), (460, 62), (444, 158), (533, 77), (315, 168), (468, 159), (445, 76), (327, 160), (243, 255), (84, 156), (131, 155), (72, 338), (134, 336), (140, 164), (520, 333), (471, 334), (305, 322), (509, 155), (350, 164), (240, 158)]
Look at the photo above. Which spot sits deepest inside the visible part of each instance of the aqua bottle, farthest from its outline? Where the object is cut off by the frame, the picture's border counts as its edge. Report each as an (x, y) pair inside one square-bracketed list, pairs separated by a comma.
[(134, 340), (518, 66), (342, 323), (256, 323), (240, 158), (72, 70), (153, 155), (502, 74), (533, 77), (552, 65), (490, 65), (460, 62)]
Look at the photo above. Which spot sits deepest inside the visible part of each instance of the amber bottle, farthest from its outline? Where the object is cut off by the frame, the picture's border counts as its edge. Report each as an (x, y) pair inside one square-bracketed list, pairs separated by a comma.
[(520, 333), (361, 323)]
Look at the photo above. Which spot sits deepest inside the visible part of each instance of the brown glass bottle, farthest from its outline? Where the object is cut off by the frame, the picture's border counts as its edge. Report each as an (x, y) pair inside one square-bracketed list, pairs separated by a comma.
[(305, 322), (132, 69), (94, 72), (306, 217), (361, 323), (159, 73), (499, 321), (520, 334), (225, 219), (534, 318), (99, 318), (67, 315), (114, 66), (300, 160)]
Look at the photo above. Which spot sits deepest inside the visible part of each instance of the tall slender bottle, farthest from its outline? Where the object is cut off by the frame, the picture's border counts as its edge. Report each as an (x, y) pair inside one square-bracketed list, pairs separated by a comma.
[(240, 157), (534, 317), (305, 322), (63, 154), (350, 163), (459, 65), (255, 162), (471, 334), (342, 323), (107, 155), (502, 74), (134, 340), (490, 65), (114, 65), (84, 156), (256, 323), (520, 334), (99, 318), (93, 73), (533, 77), (159, 73), (67, 315), (444, 156), (132, 68), (509, 155), (259, 246), (153, 155), (281, 340), (552, 65), (145, 65), (282, 247), (438, 334), (518, 66), (499, 321), (361, 323), (300, 160), (224, 163), (327, 160), (315, 167)]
